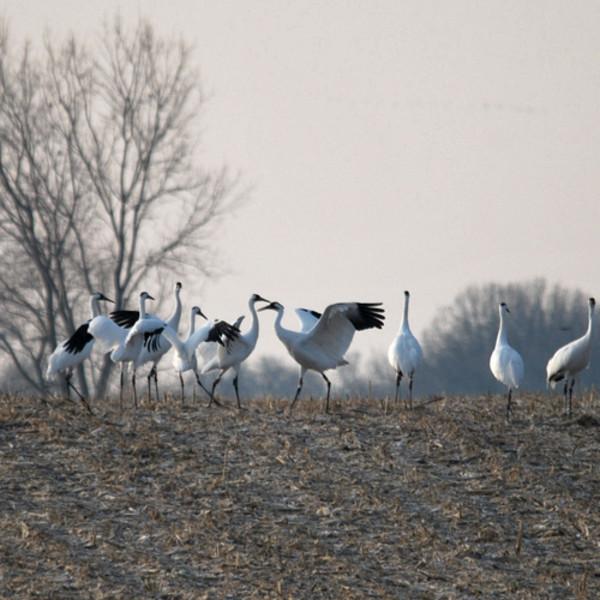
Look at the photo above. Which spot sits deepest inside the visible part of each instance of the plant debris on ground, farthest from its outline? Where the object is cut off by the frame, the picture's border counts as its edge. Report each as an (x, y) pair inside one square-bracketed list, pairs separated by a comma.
[(445, 501)]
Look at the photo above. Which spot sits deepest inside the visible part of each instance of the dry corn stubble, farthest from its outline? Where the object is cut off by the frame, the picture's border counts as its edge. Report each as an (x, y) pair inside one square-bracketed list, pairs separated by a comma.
[(444, 501)]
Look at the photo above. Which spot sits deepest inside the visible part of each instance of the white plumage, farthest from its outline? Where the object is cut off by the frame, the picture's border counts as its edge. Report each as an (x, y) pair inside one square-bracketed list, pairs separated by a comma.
[(506, 363), (126, 344), (569, 360), (72, 352), (323, 346), (234, 352), (154, 346), (184, 358), (404, 353)]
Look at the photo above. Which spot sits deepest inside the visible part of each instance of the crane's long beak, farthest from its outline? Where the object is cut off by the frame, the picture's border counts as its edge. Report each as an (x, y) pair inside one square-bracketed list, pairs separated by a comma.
[(268, 306), (202, 315), (149, 297), (261, 299), (107, 299)]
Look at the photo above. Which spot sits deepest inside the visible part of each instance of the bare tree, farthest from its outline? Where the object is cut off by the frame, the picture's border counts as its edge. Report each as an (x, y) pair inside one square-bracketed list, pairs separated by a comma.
[(100, 186)]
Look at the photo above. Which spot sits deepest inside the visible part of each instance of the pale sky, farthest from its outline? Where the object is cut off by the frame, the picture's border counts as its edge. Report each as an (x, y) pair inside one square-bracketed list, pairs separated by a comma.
[(389, 144)]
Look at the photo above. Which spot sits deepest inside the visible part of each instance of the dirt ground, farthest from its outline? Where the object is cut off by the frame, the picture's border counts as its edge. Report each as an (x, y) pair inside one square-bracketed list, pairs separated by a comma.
[(444, 501)]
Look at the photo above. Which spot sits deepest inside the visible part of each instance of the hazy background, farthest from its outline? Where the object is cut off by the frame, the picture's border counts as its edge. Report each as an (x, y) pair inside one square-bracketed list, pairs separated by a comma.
[(388, 145)]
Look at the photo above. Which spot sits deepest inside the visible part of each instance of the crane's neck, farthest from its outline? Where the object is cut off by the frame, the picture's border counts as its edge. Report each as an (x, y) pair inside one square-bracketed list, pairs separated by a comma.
[(142, 307), (94, 306), (251, 336), (283, 334), (590, 320), (404, 326), (175, 317), (501, 338), (192, 324)]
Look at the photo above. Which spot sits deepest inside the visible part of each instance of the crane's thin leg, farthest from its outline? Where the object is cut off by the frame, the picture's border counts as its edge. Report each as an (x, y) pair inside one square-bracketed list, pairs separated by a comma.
[(571, 397), (121, 387), (71, 386), (182, 392), (214, 387), (328, 391), (398, 380), (201, 385), (134, 389), (237, 393), (155, 381), (150, 386), (300, 381), (67, 381), (565, 395), (410, 388), (508, 404)]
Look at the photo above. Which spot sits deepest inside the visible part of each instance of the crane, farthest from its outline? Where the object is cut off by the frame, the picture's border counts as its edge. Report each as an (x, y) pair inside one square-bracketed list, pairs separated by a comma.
[(569, 360), (506, 363), (405, 354), (322, 347)]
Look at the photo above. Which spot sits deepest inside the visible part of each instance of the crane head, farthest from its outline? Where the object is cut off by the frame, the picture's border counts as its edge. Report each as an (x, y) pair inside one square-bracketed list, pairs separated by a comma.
[(272, 306), (178, 286), (196, 310), (503, 305), (146, 296), (101, 296), (258, 298), (592, 302)]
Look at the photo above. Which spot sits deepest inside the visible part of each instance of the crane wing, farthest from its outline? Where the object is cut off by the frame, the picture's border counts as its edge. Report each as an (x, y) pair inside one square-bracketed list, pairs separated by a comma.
[(107, 333), (77, 342), (147, 327), (333, 332), (308, 318), (125, 318), (213, 331)]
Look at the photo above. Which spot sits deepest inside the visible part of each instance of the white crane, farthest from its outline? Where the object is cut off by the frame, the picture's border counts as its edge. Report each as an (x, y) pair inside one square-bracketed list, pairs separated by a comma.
[(125, 344), (232, 354), (405, 354), (322, 347), (156, 346), (569, 360), (506, 363), (72, 352), (185, 359)]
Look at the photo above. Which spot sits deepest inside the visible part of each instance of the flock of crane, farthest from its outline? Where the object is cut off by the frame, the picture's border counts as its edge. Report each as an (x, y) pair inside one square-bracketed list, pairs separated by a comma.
[(138, 337)]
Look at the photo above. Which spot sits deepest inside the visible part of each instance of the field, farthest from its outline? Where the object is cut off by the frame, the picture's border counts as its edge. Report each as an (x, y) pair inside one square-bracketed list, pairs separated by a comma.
[(445, 501)]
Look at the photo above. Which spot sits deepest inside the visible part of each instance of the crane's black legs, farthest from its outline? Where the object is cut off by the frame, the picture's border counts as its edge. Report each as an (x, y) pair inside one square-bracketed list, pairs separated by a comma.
[(571, 396), (328, 391), (214, 387), (398, 380), (410, 388), (153, 374), (122, 382), (201, 385), (237, 393), (155, 381), (149, 378), (182, 387), (508, 404), (300, 381), (71, 386), (134, 389)]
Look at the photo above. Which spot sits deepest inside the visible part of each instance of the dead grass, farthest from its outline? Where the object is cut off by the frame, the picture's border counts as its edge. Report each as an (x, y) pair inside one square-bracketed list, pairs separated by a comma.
[(446, 501)]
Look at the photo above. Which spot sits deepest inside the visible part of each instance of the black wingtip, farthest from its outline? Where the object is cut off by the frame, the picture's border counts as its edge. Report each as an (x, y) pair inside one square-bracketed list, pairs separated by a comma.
[(369, 315)]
